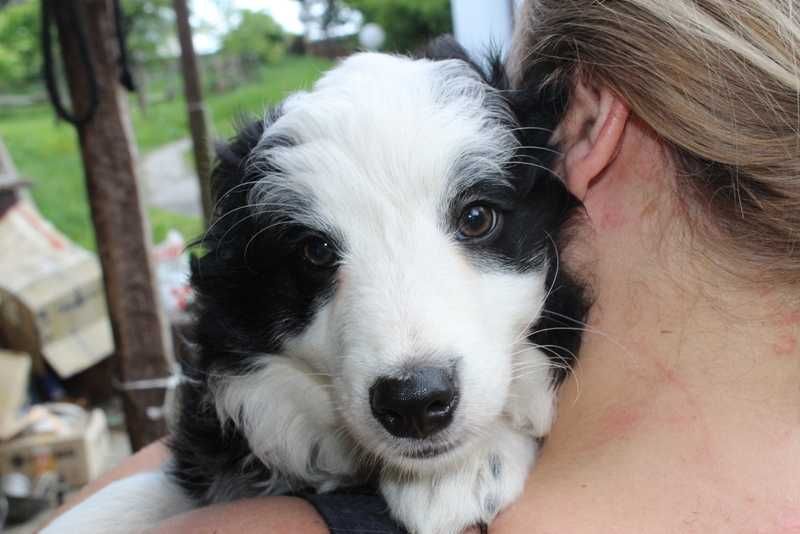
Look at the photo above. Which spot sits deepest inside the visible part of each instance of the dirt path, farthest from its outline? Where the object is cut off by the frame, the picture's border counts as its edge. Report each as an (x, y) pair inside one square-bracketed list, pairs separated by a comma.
[(169, 181)]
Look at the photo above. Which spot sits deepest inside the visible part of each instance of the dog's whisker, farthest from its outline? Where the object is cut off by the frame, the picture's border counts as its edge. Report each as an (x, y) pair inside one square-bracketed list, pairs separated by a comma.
[(230, 191), (539, 128), (543, 168), (534, 147), (233, 211)]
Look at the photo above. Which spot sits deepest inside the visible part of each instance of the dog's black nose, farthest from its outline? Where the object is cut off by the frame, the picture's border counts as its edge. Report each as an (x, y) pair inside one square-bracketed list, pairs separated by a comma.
[(417, 404)]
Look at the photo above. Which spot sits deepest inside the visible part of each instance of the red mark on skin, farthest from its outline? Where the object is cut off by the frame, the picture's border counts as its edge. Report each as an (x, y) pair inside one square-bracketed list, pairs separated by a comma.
[(790, 522), (615, 424), (765, 292), (785, 345), (668, 376), (619, 421), (790, 319), (704, 451), (612, 220), (784, 438), (681, 420)]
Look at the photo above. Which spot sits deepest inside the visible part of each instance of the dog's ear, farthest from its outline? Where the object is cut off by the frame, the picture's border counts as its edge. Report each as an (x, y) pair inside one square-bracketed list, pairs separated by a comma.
[(447, 47), (232, 177), (230, 168)]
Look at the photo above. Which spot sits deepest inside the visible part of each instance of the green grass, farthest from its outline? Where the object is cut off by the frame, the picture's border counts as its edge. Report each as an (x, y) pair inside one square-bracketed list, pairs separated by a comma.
[(46, 152)]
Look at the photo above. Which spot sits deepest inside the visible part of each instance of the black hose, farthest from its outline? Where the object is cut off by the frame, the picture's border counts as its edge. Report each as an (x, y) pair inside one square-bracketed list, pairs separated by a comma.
[(48, 70)]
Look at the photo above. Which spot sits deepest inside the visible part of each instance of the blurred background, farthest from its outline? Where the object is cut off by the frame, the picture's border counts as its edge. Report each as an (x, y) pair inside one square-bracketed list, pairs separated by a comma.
[(98, 201)]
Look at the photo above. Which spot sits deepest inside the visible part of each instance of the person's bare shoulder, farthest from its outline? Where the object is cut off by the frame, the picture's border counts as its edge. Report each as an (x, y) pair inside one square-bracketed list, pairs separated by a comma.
[(268, 514)]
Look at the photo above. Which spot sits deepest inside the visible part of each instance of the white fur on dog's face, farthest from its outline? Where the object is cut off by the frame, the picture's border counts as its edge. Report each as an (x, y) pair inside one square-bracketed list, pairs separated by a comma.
[(377, 162)]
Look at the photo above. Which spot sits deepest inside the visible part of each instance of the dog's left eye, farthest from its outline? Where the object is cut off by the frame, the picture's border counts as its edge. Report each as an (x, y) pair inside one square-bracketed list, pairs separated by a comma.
[(318, 252), (477, 221)]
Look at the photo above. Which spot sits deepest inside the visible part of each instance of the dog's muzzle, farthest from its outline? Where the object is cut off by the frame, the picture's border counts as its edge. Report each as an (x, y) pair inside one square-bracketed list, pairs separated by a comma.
[(417, 404)]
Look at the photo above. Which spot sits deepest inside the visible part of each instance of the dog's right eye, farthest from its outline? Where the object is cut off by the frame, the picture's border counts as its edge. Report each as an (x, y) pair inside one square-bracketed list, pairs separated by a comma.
[(477, 221), (318, 252)]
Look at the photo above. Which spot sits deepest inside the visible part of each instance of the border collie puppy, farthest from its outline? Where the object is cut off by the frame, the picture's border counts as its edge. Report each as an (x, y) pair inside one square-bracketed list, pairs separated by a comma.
[(371, 301)]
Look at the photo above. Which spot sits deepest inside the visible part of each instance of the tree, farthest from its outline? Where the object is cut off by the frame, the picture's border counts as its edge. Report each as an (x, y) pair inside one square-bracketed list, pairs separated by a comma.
[(149, 27), (257, 39), (20, 57), (408, 24), (323, 17)]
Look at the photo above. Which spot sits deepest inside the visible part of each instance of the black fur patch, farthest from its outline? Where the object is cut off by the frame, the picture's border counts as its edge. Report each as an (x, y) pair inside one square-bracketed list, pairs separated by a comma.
[(252, 289)]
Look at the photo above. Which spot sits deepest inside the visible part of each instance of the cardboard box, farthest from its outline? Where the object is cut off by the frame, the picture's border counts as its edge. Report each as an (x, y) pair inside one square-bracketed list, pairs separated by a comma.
[(52, 303), (78, 456), (8, 172), (15, 369)]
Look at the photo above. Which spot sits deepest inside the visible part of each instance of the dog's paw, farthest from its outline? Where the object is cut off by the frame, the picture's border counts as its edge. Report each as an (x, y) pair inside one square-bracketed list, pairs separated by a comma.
[(531, 407), (468, 493)]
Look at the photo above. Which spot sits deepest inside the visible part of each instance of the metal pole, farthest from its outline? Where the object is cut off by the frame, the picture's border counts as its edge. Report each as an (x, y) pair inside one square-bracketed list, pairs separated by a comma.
[(193, 90)]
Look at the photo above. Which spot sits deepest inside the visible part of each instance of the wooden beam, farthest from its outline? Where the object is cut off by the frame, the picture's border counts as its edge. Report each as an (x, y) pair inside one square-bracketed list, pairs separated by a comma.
[(193, 91), (121, 228)]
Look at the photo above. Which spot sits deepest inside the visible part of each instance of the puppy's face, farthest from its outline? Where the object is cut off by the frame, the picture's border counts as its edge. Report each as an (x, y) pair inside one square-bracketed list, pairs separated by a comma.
[(387, 236)]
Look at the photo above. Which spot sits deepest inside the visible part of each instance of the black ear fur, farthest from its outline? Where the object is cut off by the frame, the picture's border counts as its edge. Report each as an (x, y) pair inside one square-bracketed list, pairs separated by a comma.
[(230, 171), (530, 102), (447, 47), (232, 155)]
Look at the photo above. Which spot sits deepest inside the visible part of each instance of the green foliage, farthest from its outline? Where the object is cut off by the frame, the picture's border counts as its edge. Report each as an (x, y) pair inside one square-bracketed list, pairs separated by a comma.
[(149, 27), (20, 57), (46, 152), (329, 13), (257, 39), (408, 24)]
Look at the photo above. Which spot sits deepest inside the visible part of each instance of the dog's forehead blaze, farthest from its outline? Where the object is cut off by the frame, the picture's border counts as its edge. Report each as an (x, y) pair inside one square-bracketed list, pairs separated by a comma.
[(384, 136)]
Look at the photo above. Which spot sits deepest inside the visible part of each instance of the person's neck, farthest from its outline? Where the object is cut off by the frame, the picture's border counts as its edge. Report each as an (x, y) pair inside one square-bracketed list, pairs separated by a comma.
[(672, 381), (674, 340)]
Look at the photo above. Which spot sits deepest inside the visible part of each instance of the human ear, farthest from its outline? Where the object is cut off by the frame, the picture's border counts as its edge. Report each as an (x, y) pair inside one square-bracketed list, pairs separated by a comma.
[(590, 135)]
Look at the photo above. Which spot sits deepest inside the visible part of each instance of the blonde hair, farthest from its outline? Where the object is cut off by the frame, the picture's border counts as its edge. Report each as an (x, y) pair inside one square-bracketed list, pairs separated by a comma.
[(717, 80)]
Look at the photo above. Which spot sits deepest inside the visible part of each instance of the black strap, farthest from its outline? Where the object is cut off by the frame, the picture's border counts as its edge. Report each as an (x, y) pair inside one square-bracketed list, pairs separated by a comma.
[(125, 75), (354, 513), (49, 71), (358, 511)]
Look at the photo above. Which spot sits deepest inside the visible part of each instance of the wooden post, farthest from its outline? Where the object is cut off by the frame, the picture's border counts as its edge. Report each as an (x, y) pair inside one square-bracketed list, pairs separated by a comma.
[(193, 90), (121, 228)]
